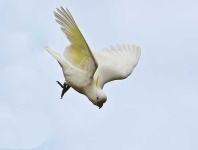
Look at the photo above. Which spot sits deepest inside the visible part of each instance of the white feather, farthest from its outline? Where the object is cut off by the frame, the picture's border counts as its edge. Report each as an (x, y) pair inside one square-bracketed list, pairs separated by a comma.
[(116, 63), (87, 72)]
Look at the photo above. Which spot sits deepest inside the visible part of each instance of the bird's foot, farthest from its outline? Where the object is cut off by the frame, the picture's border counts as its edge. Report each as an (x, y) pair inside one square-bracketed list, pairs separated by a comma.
[(65, 87), (60, 84)]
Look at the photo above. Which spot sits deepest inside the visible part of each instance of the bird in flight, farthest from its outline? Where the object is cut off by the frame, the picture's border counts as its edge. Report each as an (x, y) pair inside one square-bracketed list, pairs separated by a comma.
[(86, 71)]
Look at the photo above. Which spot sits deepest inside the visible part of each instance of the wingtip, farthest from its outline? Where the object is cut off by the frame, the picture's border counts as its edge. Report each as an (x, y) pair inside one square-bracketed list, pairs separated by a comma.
[(47, 48), (62, 8)]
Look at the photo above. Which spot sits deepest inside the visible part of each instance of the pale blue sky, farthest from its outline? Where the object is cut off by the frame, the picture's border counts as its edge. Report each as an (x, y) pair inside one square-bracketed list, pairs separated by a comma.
[(155, 108)]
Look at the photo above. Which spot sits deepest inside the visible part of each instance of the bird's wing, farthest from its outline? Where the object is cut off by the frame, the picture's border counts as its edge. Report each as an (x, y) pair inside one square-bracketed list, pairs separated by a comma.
[(78, 53), (116, 63)]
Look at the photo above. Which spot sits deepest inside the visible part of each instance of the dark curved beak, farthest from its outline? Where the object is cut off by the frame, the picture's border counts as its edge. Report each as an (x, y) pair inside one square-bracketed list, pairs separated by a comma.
[(100, 104)]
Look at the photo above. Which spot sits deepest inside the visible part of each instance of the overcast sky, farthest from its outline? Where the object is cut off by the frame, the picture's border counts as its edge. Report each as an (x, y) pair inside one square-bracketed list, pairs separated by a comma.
[(153, 109)]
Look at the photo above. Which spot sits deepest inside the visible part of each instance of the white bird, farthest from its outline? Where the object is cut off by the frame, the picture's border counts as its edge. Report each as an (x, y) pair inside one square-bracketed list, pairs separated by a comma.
[(87, 71)]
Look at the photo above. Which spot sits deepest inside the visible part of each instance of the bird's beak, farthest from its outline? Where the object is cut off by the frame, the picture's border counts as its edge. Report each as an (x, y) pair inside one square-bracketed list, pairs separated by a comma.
[(100, 104)]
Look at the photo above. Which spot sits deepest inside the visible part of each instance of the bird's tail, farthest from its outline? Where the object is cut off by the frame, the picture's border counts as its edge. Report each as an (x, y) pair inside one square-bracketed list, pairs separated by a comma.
[(58, 57)]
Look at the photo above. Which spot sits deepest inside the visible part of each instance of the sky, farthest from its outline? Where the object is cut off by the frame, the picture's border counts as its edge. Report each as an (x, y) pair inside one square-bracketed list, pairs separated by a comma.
[(154, 108)]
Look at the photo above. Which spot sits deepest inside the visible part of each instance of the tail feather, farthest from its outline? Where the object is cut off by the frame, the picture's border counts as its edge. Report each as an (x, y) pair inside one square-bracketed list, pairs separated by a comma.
[(58, 57)]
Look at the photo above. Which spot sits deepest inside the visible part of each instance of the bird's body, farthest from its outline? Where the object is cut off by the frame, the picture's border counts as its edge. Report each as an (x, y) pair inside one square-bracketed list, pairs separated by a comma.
[(87, 71)]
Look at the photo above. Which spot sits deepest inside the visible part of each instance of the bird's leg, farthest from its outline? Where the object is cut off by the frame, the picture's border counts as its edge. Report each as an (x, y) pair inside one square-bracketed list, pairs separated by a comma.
[(65, 87)]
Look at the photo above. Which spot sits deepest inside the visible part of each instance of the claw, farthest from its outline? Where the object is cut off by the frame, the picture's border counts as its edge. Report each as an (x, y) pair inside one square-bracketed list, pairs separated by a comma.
[(65, 87), (60, 84)]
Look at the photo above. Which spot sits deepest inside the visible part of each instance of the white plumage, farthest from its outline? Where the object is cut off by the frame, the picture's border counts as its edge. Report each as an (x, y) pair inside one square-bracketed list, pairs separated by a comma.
[(87, 71)]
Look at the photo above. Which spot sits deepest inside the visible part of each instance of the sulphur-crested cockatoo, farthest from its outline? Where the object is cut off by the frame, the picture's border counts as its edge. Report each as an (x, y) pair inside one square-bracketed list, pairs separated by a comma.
[(87, 71)]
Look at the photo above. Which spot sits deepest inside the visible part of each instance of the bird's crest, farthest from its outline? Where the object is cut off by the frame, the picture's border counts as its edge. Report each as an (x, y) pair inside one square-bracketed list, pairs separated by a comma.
[(97, 80)]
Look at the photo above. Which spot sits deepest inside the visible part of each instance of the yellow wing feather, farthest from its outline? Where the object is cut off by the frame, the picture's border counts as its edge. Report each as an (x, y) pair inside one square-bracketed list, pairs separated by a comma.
[(78, 53)]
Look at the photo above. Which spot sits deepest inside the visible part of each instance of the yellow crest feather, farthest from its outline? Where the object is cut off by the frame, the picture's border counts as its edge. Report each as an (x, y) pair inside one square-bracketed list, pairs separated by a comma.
[(97, 86)]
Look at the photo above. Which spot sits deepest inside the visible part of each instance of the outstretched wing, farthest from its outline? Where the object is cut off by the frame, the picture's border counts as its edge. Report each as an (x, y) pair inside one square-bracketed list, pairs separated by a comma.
[(116, 63), (78, 53)]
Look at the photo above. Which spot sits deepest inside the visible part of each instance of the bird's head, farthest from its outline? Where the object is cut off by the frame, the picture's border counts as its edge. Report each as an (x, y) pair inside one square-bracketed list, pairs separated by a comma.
[(101, 98), (98, 98)]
